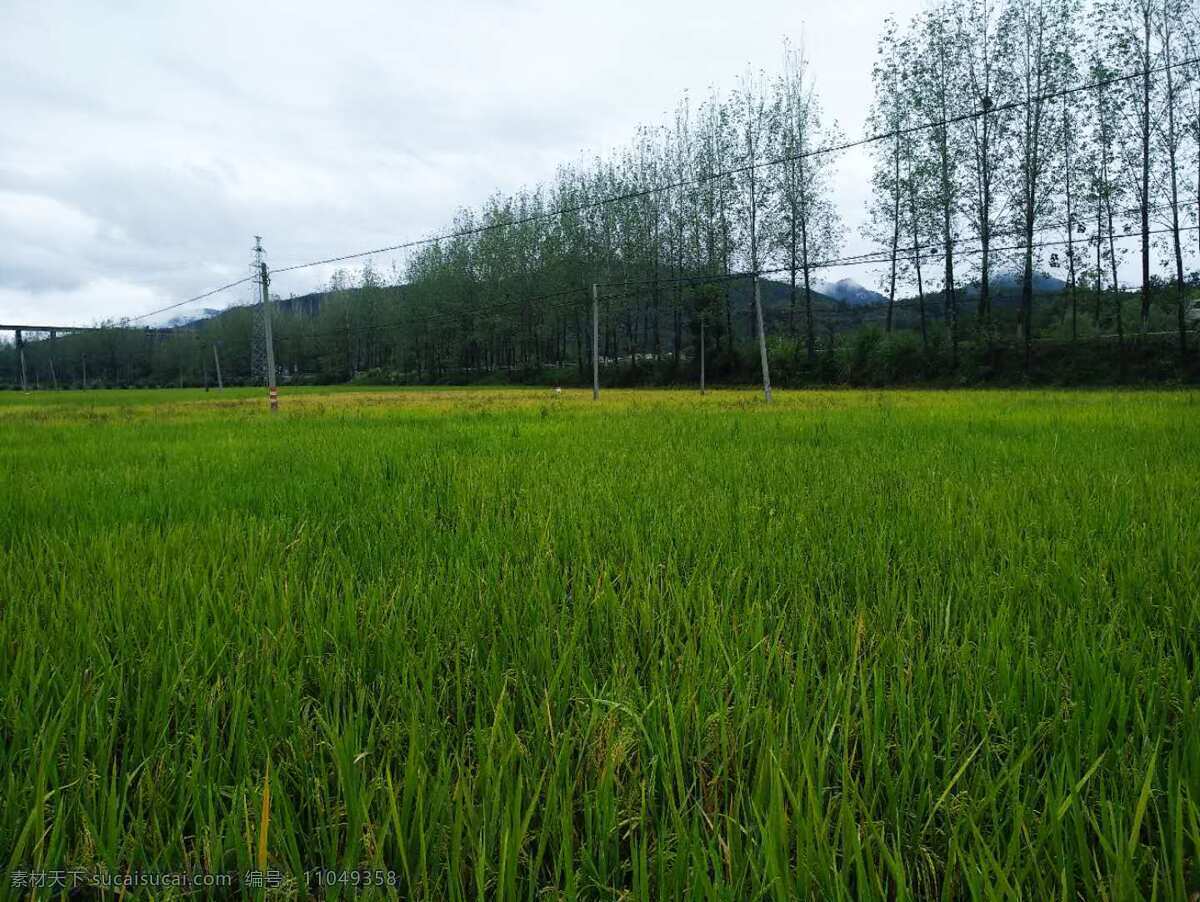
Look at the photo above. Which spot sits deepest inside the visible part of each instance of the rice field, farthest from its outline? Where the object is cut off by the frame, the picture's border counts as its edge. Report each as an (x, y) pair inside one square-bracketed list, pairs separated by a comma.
[(507, 644)]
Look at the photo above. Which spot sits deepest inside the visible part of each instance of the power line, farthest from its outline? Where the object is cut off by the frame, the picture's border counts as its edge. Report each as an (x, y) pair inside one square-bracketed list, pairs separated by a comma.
[(500, 306), (937, 255), (192, 300), (878, 256), (700, 179), (934, 251), (707, 177), (496, 307), (870, 258), (747, 167)]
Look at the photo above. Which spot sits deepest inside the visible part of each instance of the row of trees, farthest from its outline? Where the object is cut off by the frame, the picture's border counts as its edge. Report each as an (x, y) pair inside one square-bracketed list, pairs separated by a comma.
[(1012, 137), (665, 256), (1080, 127), (334, 344), (1009, 137)]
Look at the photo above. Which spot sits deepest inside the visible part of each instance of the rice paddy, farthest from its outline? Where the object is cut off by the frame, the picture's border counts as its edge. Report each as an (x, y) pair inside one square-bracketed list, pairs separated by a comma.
[(507, 644)]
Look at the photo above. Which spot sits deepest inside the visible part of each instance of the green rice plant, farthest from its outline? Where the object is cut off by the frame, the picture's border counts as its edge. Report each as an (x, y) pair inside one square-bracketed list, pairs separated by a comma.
[(518, 645)]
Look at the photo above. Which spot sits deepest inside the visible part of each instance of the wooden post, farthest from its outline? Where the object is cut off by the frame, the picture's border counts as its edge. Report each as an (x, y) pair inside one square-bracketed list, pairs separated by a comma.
[(762, 341), (217, 361), (595, 342)]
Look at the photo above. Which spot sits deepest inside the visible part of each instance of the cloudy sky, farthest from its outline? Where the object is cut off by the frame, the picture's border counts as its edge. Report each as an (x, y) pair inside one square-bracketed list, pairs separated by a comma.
[(143, 145)]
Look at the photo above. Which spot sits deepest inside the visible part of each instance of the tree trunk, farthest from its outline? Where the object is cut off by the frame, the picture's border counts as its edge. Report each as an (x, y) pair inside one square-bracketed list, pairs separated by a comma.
[(810, 328), (948, 299), (1181, 292), (895, 232), (1099, 263), (1145, 186), (792, 269), (985, 228), (1112, 253), (1070, 225)]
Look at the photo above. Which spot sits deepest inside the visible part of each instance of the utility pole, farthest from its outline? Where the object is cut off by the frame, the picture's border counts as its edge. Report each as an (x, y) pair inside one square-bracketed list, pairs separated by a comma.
[(702, 354), (264, 280), (21, 355), (595, 342), (85, 371), (217, 361), (53, 375), (762, 341)]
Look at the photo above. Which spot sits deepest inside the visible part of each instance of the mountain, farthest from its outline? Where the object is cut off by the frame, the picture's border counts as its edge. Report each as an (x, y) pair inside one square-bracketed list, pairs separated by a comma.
[(850, 292), (1007, 284), (1043, 283), (776, 296), (186, 319)]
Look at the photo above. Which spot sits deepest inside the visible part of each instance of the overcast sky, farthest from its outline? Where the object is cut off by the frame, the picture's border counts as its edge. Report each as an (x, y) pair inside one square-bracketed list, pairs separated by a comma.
[(142, 145)]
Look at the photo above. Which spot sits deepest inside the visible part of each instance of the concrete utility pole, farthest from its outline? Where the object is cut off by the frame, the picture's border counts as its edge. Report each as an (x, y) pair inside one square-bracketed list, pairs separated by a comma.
[(264, 280), (53, 375), (21, 355), (217, 361), (595, 342), (762, 341)]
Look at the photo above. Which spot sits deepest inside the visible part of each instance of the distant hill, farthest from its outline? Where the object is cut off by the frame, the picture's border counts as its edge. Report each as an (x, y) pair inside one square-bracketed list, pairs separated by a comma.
[(776, 296), (185, 319), (842, 305), (1007, 285), (851, 292), (303, 304), (1005, 288)]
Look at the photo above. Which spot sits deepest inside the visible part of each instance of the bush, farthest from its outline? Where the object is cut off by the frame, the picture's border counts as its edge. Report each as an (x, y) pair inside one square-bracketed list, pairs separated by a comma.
[(859, 363), (898, 358)]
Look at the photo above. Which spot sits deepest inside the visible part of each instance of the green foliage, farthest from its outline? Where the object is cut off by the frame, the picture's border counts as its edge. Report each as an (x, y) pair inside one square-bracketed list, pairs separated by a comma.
[(512, 644)]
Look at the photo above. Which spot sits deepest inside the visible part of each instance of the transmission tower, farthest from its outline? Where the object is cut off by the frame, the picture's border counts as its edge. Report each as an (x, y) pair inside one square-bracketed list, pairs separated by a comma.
[(258, 346)]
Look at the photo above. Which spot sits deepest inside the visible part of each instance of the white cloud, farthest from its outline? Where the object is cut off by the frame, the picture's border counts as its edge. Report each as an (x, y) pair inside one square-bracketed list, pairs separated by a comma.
[(63, 307), (143, 145)]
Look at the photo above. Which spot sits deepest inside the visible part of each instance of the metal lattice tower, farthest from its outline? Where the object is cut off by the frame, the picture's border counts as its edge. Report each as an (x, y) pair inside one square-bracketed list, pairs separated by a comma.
[(258, 352)]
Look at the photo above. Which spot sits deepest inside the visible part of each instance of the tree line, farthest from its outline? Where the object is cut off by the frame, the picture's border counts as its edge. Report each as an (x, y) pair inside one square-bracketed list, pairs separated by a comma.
[(1008, 138)]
